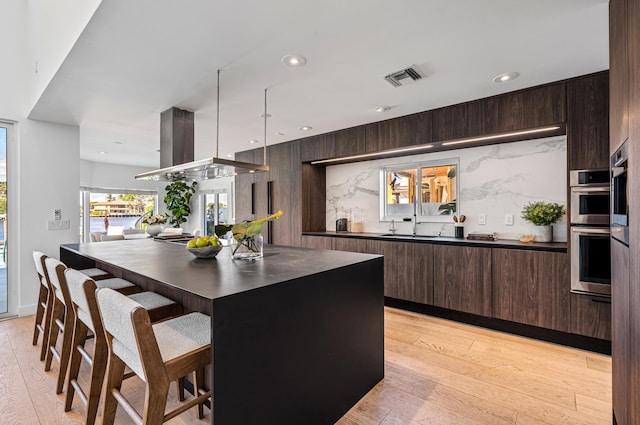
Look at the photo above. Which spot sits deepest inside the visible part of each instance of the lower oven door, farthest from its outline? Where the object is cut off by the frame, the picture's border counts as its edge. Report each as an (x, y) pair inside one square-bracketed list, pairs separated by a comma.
[(591, 260)]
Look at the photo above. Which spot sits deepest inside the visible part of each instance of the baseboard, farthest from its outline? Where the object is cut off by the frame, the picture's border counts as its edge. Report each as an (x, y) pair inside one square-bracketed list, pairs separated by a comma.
[(563, 338), (27, 310)]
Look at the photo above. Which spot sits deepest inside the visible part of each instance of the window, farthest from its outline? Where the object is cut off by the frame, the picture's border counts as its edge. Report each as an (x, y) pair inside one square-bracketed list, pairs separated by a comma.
[(101, 209), (427, 190)]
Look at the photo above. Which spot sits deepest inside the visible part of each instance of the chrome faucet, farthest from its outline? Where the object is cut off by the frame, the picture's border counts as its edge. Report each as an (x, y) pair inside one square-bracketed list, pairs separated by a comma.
[(392, 229)]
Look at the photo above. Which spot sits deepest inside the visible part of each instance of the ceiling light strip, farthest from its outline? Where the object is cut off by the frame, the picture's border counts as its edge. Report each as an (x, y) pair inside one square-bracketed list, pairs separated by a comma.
[(424, 147)]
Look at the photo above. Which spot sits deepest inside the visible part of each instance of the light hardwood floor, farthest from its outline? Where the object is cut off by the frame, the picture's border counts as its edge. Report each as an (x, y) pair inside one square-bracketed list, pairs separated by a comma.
[(437, 372)]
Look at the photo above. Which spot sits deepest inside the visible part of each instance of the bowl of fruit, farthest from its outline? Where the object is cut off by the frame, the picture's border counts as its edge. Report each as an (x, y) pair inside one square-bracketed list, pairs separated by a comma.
[(204, 247)]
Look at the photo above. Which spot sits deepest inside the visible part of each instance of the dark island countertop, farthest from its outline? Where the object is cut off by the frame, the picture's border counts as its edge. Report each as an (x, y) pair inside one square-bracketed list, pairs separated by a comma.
[(443, 240), (173, 265)]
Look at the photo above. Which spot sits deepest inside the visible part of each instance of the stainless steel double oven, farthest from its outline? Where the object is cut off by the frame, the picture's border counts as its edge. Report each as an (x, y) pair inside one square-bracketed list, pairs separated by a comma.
[(590, 232)]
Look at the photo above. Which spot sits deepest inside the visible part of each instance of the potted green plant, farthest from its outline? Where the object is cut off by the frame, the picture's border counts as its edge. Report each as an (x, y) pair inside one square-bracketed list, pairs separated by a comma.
[(543, 215), (178, 201)]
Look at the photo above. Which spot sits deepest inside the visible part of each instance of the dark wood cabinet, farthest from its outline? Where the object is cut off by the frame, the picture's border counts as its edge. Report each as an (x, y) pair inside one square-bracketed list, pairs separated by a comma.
[(591, 316), (535, 107), (619, 39), (531, 287), (408, 270), (620, 342), (285, 176), (350, 141), (316, 242), (457, 121), (462, 278), (588, 122), (350, 245), (314, 194), (399, 132)]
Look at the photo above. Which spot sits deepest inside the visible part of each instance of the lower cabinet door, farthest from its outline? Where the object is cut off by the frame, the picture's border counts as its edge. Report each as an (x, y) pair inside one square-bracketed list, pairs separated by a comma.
[(531, 287), (462, 278)]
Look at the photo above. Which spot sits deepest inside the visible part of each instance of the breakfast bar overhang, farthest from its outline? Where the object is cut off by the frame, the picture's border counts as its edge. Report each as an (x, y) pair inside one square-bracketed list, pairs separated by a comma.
[(298, 336)]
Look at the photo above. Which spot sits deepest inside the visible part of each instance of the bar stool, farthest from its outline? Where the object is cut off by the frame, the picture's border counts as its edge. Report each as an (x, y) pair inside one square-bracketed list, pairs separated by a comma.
[(62, 314), (87, 317), (158, 354), (43, 309)]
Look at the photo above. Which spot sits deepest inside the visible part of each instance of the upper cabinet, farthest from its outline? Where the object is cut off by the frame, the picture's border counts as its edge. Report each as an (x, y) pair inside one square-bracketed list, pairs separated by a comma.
[(619, 75), (350, 141), (535, 107), (588, 122), (399, 132), (458, 121)]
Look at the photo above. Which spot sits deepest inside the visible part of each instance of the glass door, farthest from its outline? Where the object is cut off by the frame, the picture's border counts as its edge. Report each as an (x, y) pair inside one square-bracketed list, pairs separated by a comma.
[(216, 210), (7, 305)]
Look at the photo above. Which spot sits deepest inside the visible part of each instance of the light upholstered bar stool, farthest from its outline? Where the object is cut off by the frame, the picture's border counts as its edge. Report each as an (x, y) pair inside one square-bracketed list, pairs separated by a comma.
[(44, 307), (62, 314), (82, 292), (158, 354)]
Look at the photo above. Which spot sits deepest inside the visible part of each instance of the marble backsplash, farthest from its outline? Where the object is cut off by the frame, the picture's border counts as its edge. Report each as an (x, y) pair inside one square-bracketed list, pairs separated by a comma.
[(493, 180)]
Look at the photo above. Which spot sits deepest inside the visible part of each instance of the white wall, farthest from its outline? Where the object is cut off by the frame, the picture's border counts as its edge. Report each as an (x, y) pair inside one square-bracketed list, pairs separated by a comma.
[(13, 75), (53, 28), (114, 176), (493, 180), (44, 166)]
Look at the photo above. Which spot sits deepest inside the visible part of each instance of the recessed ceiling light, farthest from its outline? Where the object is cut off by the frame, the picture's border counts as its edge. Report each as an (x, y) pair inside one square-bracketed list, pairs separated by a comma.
[(118, 143), (381, 108), (306, 128), (252, 141), (262, 115), (294, 60), (229, 155), (507, 76), (103, 153), (280, 133)]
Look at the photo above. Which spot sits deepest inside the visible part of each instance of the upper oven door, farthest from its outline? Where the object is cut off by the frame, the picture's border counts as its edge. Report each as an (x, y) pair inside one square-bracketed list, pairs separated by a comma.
[(590, 205)]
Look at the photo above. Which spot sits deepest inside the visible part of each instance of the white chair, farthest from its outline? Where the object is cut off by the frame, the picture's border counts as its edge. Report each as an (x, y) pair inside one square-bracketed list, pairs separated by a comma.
[(87, 317), (62, 315), (106, 238), (158, 354)]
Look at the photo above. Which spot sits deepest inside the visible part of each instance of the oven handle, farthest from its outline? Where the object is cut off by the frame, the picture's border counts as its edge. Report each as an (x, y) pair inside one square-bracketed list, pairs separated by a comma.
[(590, 231), (591, 189)]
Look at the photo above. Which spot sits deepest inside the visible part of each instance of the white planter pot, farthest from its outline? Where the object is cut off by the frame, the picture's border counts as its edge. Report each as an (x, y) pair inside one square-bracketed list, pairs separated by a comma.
[(154, 229), (544, 233)]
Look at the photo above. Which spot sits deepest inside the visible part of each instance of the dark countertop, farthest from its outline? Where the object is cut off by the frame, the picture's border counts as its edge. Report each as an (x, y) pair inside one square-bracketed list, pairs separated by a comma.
[(173, 265), (440, 240)]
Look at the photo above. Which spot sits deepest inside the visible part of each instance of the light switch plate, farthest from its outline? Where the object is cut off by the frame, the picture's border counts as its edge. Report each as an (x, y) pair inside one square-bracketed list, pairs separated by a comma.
[(482, 219), (508, 219)]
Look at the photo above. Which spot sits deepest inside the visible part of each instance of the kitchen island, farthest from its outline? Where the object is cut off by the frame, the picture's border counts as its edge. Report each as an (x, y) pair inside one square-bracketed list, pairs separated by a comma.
[(298, 336)]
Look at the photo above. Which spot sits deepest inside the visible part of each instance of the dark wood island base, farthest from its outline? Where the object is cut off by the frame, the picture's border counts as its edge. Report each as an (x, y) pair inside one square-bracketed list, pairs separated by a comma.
[(298, 336)]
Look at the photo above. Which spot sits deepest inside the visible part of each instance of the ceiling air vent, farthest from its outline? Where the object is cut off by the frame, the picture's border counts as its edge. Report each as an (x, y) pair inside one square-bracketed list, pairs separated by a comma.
[(404, 76)]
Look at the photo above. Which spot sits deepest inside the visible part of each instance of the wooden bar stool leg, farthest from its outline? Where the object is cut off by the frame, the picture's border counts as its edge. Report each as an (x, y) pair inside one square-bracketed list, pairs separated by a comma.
[(100, 355), (115, 372), (43, 295), (180, 385), (198, 385), (56, 315), (47, 325), (79, 339), (155, 402), (65, 351)]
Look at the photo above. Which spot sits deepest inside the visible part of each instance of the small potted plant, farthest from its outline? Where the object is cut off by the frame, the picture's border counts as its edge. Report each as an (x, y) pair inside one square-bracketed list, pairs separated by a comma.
[(178, 201), (154, 224), (543, 215)]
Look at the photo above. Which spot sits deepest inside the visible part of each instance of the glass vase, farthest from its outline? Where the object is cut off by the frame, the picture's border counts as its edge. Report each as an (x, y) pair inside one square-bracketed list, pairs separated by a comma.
[(247, 248)]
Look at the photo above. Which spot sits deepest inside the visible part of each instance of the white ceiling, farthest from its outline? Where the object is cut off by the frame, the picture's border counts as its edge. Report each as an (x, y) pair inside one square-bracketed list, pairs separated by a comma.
[(136, 59)]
